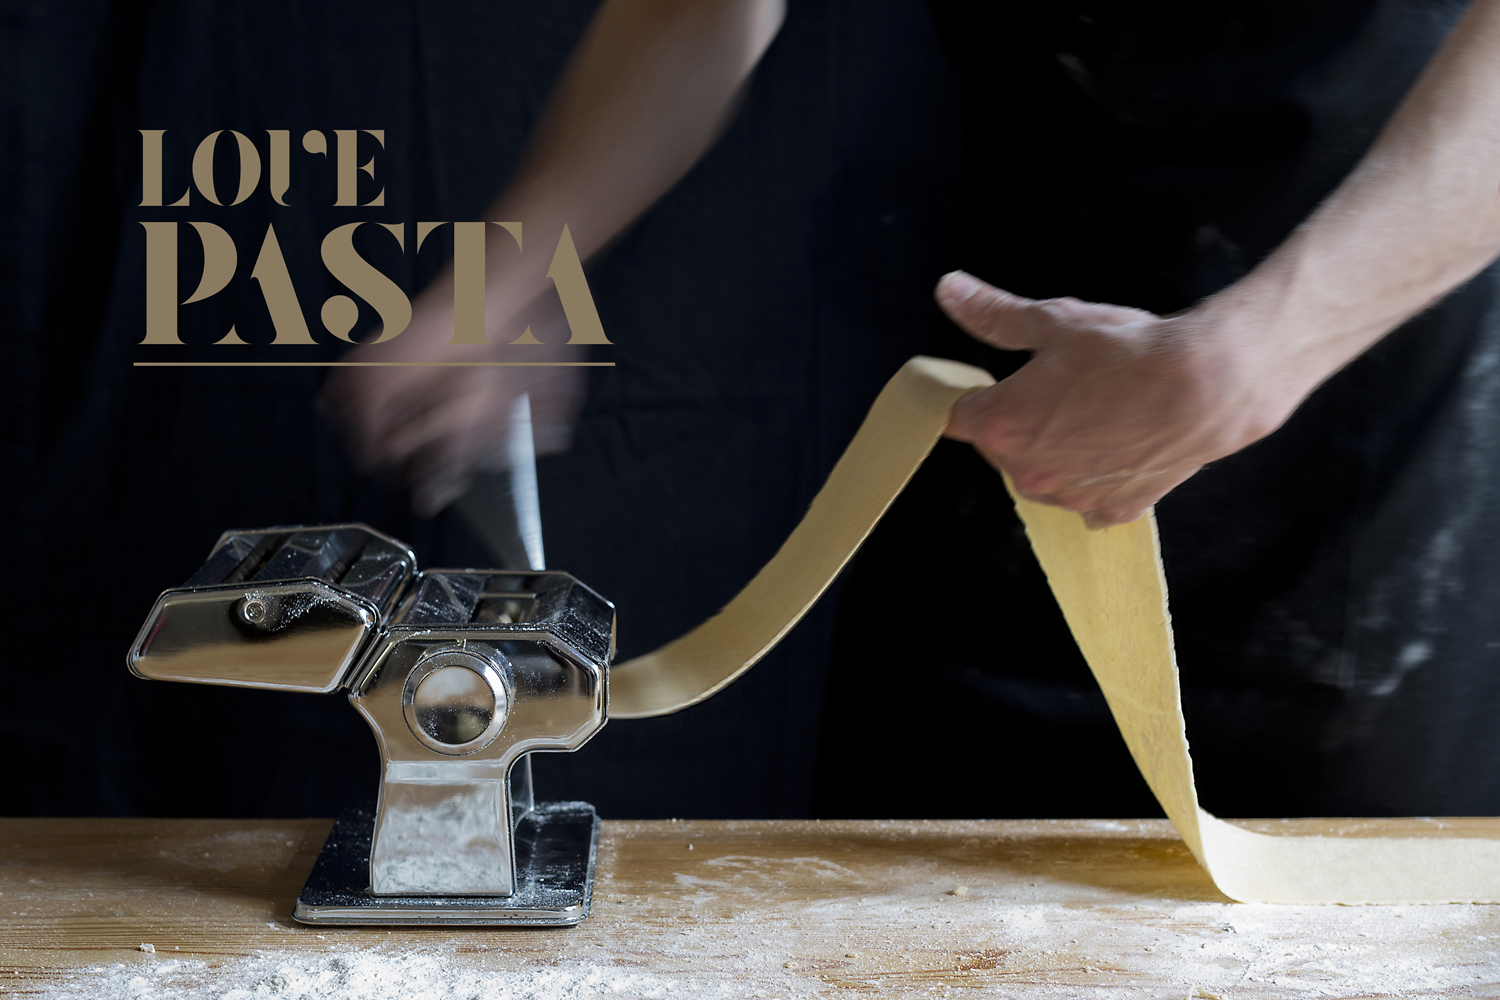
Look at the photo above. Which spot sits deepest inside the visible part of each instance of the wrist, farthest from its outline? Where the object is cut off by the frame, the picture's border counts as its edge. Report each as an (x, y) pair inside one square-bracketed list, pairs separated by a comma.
[(1252, 367)]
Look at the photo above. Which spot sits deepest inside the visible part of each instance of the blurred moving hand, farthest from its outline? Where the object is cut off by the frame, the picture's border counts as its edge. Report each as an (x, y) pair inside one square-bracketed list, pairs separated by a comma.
[(1117, 406), (647, 92), (433, 426)]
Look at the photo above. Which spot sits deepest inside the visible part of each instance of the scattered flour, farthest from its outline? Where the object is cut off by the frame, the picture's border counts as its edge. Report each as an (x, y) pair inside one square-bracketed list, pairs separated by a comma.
[(733, 923), (365, 975), (821, 948)]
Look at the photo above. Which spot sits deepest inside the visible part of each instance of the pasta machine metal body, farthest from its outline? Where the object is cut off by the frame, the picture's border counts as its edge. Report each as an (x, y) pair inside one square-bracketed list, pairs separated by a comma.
[(460, 674)]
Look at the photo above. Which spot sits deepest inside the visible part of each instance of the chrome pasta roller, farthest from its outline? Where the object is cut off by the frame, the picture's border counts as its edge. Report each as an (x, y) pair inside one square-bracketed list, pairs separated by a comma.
[(460, 673)]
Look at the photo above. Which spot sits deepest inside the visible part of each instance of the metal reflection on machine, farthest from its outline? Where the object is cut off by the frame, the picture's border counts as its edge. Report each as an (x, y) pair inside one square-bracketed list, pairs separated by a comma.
[(460, 674)]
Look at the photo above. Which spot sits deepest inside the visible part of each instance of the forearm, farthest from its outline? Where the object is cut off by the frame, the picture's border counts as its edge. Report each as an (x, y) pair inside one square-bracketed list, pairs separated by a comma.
[(1417, 217), (643, 97), (1117, 407)]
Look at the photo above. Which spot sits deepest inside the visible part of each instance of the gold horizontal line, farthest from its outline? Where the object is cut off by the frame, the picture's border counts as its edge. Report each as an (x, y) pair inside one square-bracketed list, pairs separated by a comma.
[(372, 364)]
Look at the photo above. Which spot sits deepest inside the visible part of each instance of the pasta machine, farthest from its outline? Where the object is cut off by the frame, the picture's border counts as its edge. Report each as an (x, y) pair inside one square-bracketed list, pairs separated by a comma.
[(461, 673)]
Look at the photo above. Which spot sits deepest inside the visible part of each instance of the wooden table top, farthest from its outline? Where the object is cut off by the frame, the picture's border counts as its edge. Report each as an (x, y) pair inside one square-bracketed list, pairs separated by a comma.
[(745, 909)]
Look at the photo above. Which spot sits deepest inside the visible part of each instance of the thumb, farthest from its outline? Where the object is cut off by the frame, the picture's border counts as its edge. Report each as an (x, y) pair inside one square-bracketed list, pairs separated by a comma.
[(993, 315)]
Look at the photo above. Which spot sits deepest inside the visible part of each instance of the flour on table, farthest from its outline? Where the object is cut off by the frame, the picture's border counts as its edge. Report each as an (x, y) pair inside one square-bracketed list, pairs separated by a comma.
[(366, 975)]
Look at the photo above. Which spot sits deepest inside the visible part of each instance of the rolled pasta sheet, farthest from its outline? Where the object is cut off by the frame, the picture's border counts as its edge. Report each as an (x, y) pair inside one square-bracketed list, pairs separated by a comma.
[(1111, 589)]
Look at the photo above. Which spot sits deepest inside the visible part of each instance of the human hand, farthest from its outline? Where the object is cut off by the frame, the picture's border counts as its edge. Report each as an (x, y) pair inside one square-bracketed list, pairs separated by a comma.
[(1117, 406), (433, 413)]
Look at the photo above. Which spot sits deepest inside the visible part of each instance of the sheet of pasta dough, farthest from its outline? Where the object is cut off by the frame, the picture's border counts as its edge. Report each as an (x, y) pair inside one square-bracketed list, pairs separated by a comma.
[(1110, 587)]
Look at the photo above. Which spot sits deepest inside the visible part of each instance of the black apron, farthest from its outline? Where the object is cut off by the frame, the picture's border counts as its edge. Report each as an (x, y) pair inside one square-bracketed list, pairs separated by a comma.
[(1332, 585)]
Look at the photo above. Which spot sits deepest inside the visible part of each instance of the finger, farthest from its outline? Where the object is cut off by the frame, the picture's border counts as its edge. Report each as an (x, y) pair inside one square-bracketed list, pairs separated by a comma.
[(436, 474), (450, 417), (1101, 502), (370, 403), (1028, 484), (340, 405), (992, 417), (429, 495), (1097, 520), (443, 471), (1125, 504), (1004, 434), (992, 315)]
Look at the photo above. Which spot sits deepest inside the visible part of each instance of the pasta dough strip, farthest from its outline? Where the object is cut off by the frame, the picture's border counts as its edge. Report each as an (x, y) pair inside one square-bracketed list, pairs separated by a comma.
[(906, 420), (1112, 592)]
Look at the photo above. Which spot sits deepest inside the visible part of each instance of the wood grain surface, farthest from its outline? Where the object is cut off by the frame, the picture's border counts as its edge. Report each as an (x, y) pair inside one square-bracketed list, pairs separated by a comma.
[(771, 909)]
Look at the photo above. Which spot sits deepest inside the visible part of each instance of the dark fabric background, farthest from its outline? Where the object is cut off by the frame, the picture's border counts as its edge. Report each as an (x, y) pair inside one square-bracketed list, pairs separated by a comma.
[(755, 313), (1331, 585)]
